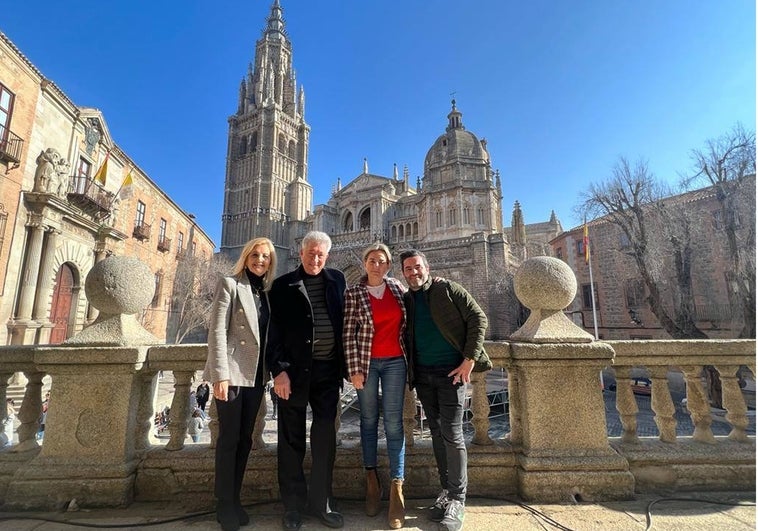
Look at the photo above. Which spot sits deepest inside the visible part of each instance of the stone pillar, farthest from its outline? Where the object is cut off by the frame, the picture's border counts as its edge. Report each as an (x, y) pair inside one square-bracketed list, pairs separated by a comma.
[(42, 296), (565, 454), (90, 448), (31, 272)]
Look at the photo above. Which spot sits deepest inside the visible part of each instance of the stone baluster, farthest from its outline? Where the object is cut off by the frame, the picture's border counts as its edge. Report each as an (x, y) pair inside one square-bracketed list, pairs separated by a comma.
[(148, 386), (260, 425), (480, 408), (31, 271), (626, 405), (180, 412), (662, 405), (29, 413), (734, 402), (4, 377), (409, 416), (213, 424), (697, 404)]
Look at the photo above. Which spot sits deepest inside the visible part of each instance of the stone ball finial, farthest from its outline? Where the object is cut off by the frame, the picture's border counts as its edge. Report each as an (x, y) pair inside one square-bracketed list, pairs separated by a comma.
[(545, 283), (120, 285)]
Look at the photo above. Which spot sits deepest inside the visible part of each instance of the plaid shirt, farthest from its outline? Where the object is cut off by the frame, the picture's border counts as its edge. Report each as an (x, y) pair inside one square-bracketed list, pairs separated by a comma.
[(358, 332)]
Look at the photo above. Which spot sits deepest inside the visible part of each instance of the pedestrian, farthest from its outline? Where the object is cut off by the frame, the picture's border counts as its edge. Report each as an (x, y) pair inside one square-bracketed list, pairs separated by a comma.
[(446, 339), (236, 369), (196, 425), (305, 357), (202, 393), (375, 353)]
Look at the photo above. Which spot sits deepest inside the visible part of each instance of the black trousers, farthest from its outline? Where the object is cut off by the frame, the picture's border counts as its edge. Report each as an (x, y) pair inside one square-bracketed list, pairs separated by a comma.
[(323, 396), (236, 419)]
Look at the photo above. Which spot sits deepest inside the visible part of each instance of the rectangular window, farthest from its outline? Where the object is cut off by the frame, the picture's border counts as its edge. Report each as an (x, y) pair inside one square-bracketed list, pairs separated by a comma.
[(580, 248), (634, 290), (587, 297), (6, 110), (480, 216), (194, 248), (140, 214), (559, 253), (180, 243), (162, 231), (452, 217), (81, 177), (624, 242), (466, 216)]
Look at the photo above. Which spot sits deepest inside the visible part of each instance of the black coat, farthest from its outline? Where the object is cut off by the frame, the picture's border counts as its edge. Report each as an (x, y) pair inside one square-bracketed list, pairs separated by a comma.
[(290, 338)]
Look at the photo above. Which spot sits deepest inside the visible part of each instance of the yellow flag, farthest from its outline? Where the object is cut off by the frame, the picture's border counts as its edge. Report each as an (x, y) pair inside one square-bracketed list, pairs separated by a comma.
[(126, 187), (102, 172)]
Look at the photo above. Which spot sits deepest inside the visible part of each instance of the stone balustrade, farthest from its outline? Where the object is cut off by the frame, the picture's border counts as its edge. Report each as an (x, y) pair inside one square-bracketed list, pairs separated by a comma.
[(98, 446)]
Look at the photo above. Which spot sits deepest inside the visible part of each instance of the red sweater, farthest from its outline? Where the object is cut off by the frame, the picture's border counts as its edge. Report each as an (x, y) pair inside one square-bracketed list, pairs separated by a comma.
[(387, 316)]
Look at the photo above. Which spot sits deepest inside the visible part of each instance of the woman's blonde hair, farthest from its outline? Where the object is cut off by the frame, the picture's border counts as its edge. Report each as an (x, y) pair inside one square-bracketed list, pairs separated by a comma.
[(377, 246), (270, 275)]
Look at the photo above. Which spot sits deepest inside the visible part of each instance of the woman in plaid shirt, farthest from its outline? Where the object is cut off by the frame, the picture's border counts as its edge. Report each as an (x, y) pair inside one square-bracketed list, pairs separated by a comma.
[(375, 352)]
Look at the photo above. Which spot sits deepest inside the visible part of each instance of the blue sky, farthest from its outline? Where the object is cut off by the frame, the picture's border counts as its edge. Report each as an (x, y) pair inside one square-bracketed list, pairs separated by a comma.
[(559, 89)]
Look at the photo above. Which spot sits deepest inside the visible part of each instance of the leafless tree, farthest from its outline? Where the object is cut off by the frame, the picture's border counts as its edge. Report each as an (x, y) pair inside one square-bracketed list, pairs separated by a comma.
[(658, 233), (728, 164), (194, 284)]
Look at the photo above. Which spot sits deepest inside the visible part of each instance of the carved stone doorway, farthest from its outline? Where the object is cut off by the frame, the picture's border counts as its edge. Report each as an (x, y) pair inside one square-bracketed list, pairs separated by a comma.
[(61, 308)]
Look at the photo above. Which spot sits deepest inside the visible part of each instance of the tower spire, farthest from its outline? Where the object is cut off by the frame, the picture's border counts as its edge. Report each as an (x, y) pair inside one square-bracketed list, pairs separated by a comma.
[(275, 23), (454, 118)]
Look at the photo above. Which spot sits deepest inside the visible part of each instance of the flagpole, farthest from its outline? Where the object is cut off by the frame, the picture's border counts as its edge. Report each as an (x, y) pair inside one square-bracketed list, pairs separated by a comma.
[(592, 294), (131, 167)]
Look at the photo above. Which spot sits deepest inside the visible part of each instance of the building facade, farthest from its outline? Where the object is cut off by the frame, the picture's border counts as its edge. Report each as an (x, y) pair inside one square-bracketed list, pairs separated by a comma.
[(453, 213), (621, 307), (69, 197)]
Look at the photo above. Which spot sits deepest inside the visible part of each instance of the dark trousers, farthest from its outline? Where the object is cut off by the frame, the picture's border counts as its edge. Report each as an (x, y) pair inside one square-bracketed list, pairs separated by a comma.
[(443, 404), (323, 396), (236, 420)]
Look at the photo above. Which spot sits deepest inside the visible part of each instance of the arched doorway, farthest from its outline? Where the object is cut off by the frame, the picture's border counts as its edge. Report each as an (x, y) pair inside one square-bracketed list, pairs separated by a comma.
[(61, 307)]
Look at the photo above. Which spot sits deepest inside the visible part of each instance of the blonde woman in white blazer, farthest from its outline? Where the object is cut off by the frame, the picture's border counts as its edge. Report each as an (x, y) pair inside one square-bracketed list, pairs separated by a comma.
[(235, 366)]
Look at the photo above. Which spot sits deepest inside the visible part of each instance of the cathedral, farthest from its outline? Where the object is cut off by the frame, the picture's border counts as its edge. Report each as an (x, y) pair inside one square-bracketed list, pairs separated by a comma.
[(453, 213)]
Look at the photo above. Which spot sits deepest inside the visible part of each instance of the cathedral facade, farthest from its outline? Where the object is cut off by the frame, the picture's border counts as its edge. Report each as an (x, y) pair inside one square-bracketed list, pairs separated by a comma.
[(453, 213)]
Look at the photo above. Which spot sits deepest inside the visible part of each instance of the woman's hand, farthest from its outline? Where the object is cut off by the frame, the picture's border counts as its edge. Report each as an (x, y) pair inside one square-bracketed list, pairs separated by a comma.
[(358, 379), (221, 390)]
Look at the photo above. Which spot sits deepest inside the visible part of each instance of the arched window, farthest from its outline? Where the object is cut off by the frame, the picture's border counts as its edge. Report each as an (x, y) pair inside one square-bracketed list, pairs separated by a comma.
[(393, 233), (365, 221), (401, 233), (291, 149), (347, 225), (282, 144), (415, 229)]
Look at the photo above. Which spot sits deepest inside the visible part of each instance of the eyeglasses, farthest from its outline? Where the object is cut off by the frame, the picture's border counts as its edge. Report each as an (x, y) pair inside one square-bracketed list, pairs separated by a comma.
[(374, 262)]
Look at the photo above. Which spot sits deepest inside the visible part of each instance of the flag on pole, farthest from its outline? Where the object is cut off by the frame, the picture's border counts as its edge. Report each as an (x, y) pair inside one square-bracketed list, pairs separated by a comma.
[(102, 172), (127, 187), (586, 243)]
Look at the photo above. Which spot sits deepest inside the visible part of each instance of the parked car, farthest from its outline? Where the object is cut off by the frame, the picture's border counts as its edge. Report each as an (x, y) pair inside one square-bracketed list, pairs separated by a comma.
[(640, 386)]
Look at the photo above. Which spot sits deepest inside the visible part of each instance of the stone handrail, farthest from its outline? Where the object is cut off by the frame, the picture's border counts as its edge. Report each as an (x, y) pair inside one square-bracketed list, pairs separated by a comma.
[(104, 383)]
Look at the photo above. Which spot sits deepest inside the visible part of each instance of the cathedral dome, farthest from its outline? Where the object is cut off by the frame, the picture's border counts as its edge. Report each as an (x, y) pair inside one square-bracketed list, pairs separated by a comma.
[(456, 144)]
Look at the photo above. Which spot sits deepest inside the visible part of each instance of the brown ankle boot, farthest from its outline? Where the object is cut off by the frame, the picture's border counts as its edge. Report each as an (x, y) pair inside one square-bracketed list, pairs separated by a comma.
[(373, 493), (396, 515)]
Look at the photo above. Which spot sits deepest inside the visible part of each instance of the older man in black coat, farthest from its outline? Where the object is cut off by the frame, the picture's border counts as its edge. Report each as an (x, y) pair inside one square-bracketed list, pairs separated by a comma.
[(306, 359)]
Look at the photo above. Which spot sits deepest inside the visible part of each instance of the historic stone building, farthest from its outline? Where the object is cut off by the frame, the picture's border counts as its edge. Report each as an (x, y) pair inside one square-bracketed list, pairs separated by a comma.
[(69, 197), (621, 308), (453, 213)]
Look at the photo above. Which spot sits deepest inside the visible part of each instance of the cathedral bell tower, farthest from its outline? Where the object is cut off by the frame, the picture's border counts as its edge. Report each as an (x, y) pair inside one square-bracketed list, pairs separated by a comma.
[(266, 189)]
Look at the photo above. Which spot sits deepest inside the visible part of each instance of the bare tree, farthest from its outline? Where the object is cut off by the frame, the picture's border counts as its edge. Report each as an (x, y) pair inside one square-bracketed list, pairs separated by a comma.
[(728, 164), (658, 233), (194, 285)]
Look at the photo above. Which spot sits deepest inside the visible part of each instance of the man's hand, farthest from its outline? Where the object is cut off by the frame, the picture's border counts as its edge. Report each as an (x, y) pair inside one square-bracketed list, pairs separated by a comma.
[(463, 372), (282, 385), (221, 390), (358, 379)]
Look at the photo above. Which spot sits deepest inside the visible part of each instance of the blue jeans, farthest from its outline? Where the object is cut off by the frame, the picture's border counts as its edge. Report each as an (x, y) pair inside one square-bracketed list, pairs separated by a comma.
[(443, 404), (391, 372)]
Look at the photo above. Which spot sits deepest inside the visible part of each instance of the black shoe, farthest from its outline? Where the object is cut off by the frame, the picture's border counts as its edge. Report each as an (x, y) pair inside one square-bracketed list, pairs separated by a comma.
[(331, 519), (227, 516), (242, 515), (291, 521)]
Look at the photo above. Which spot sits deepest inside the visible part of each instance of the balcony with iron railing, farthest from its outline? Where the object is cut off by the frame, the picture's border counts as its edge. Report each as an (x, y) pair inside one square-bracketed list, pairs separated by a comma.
[(89, 196), (164, 244), (556, 447), (141, 230), (11, 146)]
